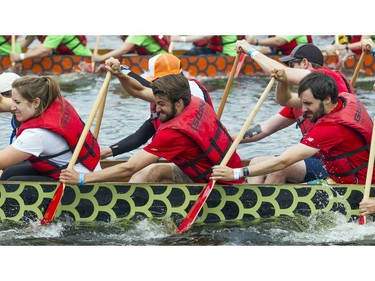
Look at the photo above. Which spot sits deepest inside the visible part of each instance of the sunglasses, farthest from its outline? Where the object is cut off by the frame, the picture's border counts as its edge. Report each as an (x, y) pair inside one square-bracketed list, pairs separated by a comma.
[(293, 62)]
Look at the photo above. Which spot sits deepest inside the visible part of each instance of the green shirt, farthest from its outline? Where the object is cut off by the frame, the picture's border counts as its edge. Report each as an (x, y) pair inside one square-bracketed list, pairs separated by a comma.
[(301, 39), (6, 47), (54, 41), (229, 44), (147, 42)]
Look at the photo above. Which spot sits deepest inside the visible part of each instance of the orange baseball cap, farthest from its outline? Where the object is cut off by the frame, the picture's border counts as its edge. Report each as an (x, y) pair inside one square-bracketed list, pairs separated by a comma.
[(161, 65)]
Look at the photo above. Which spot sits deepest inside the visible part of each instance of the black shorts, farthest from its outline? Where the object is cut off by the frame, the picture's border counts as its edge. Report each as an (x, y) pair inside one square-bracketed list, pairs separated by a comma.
[(314, 169)]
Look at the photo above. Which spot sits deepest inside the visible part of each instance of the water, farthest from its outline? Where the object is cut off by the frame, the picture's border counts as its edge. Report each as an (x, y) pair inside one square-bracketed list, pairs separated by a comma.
[(122, 116)]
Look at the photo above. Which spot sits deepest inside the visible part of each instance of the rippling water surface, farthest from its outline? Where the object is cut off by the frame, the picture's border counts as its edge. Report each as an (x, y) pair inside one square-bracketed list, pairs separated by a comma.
[(124, 114)]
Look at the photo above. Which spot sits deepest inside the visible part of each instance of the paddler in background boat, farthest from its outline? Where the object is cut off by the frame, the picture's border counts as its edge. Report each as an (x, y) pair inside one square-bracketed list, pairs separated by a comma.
[(53, 44), (139, 87), (49, 131), (190, 135), (279, 44), (341, 134), (303, 60), (6, 80), (6, 45), (348, 45), (142, 44), (216, 44)]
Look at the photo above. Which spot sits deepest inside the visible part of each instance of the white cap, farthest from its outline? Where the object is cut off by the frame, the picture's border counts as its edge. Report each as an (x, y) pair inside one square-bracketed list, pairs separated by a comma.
[(6, 80)]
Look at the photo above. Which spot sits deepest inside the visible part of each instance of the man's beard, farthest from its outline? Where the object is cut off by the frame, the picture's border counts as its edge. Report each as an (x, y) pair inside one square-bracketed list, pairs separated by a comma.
[(169, 116), (316, 115)]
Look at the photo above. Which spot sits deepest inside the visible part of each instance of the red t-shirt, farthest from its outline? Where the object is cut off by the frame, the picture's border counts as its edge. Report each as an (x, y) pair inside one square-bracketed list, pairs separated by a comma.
[(175, 147)]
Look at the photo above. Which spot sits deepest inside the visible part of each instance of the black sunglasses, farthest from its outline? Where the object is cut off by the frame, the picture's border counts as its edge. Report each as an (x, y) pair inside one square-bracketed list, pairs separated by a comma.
[(292, 62)]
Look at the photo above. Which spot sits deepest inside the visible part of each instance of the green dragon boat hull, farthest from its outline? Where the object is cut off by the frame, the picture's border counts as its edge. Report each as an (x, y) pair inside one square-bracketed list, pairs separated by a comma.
[(25, 201)]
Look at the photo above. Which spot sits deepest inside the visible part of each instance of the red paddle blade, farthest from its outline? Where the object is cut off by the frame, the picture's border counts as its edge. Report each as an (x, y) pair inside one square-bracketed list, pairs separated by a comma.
[(51, 210), (239, 65), (194, 211), (362, 220)]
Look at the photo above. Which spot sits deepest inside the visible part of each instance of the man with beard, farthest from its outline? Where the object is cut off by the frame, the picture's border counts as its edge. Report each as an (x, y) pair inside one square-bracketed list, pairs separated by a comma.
[(340, 136), (190, 135)]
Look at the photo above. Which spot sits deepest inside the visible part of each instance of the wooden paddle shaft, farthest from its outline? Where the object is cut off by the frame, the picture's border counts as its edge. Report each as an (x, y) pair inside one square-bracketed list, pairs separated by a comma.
[(247, 123), (95, 51), (100, 113), (228, 85), (370, 167), (90, 120), (358, 67)]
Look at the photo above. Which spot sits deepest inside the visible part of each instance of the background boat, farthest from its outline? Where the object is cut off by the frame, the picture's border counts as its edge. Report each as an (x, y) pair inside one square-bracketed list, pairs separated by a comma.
[(195, 66)]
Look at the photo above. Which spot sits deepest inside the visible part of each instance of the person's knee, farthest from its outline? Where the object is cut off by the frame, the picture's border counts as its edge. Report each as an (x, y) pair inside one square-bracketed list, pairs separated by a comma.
[(159, 173)]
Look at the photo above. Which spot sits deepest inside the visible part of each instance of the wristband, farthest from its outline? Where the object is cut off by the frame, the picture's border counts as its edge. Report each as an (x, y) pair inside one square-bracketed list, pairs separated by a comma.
[(22, 56), (252, 52), (237, 173), (245, 172), (124, 68), (81, 179)]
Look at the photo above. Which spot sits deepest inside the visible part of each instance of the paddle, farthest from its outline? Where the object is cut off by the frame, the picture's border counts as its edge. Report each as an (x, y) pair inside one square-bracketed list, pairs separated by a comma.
[(370, 170), (359, 64), (51, 210), (191, 216), (240, 63), (100, 113), (95, 52), (227, 87)]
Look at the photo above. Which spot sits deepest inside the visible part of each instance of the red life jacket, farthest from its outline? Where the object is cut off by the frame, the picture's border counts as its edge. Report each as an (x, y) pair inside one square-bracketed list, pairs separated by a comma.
[(353, 39), (199, 122), (67, 123), (343, 86), (200, 43), (163, 42), (62, 49), (216, 44), (353, 115), (287, 48), (8, 39), (155, 117)]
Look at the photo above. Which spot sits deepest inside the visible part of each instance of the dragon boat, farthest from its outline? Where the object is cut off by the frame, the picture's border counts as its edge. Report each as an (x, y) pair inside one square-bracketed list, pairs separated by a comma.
[(195, 66), (115, 201)]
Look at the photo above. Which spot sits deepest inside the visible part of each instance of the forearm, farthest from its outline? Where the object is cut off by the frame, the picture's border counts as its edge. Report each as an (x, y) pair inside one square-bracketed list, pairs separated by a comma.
[(254, 134), (271, 42), (135, 88), (190, 38), (40, 51), (110, 174)]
